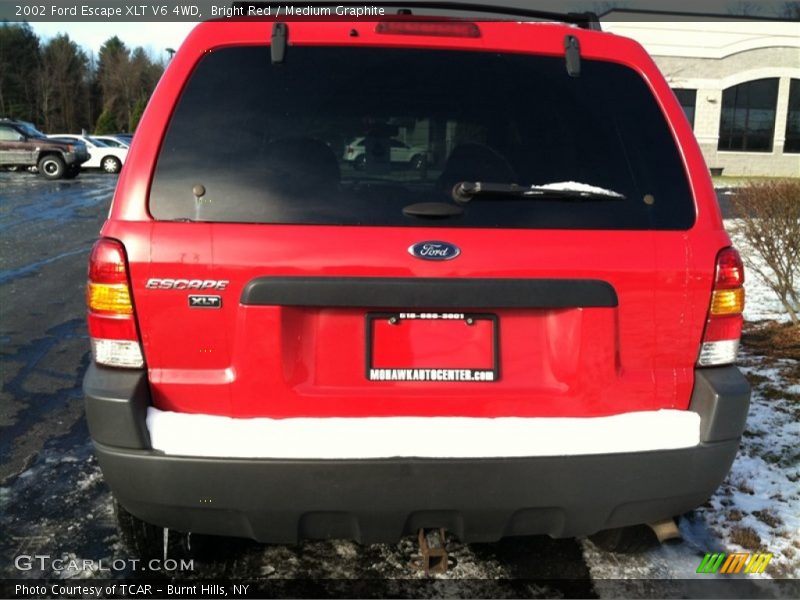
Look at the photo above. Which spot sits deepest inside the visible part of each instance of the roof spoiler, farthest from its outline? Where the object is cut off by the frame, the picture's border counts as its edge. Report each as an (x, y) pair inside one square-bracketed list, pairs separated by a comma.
[(585, 20)]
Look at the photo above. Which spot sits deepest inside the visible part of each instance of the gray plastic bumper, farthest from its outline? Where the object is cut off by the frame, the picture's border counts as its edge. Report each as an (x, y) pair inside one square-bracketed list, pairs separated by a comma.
[(278, 500)]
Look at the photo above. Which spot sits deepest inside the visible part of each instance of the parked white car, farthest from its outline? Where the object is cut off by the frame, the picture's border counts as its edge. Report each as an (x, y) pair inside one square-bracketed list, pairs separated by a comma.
[(113, 141), (415, 156), (101, 155)]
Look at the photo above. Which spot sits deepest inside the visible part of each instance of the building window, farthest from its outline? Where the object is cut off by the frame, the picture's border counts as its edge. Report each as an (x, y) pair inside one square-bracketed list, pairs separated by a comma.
[(688, 100), (748, 116), (792, 143)]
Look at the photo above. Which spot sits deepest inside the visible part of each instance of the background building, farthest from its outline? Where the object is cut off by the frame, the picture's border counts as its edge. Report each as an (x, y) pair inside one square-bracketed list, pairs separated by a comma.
[(738, 82)]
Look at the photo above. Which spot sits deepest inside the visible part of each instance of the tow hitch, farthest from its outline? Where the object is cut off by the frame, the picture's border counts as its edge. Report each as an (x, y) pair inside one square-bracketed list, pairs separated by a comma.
[(432, 551)]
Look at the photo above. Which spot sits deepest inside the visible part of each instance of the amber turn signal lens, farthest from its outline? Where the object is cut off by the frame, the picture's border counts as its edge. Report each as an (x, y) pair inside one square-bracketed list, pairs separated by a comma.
[(727, 302), (109, 298)]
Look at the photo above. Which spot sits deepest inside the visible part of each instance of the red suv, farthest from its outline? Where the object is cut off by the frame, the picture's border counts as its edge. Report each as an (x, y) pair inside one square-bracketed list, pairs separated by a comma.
[(532, 334)]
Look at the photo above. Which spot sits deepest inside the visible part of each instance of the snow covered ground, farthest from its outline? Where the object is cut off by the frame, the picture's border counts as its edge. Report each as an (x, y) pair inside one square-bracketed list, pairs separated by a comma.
[(758, 506)]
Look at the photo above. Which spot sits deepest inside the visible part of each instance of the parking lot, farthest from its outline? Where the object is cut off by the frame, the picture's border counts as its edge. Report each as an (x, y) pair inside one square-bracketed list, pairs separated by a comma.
[(56, 503)]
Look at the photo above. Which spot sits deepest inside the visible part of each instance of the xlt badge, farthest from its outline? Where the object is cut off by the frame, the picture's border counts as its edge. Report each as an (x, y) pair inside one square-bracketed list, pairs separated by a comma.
[(196, 301)]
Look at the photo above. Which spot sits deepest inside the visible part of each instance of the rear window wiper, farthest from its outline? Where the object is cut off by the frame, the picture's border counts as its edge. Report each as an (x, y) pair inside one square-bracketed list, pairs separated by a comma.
[(465, 191)]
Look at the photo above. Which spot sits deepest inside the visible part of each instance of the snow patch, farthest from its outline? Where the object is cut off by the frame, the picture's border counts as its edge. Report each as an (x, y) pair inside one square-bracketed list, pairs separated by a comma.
[(762, 494), (575, 186)]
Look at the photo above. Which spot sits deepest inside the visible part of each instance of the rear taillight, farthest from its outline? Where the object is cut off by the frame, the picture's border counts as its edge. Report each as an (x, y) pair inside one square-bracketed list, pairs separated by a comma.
[(112, 326), (724, 325)]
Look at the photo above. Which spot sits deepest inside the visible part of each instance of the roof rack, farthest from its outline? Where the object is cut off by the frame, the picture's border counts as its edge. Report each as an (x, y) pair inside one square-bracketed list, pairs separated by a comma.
[(585, 20)]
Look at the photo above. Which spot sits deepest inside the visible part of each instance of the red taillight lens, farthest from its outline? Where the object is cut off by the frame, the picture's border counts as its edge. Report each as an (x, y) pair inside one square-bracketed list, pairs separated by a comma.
[(112, 327), (107, 263), (719, 329), (724, 325), (445, 29), (730, 270)]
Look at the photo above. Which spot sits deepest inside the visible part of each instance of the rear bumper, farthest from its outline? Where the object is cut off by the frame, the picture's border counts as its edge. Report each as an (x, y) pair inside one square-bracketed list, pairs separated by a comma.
[(371, 500)]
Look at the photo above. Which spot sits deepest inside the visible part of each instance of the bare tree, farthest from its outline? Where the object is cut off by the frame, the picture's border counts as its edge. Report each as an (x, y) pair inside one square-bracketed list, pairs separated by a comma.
[(769, 223), (62, 85)]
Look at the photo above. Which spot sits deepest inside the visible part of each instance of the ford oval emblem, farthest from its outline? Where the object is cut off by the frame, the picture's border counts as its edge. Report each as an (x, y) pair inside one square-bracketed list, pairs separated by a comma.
[(434, 250)]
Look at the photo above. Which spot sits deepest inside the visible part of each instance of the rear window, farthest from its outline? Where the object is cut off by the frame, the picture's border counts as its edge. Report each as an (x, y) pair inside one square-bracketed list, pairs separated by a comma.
[(351, 136)]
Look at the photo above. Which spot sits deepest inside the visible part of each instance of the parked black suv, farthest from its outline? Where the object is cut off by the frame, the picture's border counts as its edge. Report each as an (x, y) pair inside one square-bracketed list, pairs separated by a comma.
[(22, 145)]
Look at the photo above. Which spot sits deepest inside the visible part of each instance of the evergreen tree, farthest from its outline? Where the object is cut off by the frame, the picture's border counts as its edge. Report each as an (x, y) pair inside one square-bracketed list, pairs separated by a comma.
[(19, 67), (106, 124), (136, 116), (113, 79)]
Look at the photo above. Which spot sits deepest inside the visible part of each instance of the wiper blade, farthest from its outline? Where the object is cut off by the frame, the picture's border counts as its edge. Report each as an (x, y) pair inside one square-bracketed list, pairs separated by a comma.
[(465, 191)]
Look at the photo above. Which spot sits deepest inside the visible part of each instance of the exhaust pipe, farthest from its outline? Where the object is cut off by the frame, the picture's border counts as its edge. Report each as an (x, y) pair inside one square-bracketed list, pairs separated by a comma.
[(666, 529)]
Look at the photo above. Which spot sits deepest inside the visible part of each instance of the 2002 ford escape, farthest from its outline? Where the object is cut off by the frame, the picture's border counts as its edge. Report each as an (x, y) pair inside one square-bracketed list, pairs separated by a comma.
[(531, 333)]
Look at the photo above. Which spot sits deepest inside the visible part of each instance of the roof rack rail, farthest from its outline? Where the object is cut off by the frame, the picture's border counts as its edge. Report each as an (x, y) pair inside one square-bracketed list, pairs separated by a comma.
[(585, 20)]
